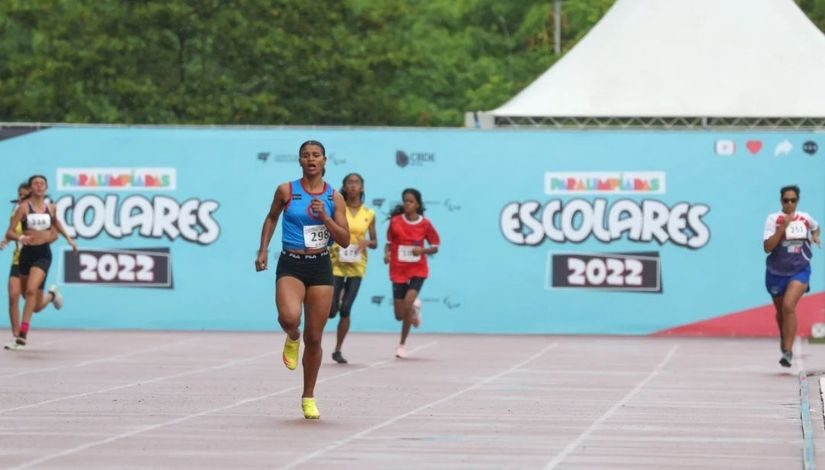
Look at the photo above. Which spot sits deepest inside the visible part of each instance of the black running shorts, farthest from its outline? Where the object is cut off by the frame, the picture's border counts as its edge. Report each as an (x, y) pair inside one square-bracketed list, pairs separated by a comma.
[(312, 270)]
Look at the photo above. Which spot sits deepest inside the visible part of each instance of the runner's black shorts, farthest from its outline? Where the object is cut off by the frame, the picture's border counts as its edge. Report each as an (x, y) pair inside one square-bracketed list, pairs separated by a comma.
[(399, 289), (39, 256), (312, 270)]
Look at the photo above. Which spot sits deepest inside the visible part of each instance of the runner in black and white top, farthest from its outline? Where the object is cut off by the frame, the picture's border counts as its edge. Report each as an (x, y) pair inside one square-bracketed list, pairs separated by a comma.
[(40, 228)]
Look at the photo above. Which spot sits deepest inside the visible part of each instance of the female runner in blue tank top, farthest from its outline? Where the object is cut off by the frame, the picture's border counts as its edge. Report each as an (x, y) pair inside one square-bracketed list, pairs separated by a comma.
[(313, 217)]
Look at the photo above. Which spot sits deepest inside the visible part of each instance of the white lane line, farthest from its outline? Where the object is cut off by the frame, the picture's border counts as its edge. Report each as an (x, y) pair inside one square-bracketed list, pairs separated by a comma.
[(140, 382), (97, 361), (808, 461), (822, 396), (593, 427), (449, 397), (153, 427)]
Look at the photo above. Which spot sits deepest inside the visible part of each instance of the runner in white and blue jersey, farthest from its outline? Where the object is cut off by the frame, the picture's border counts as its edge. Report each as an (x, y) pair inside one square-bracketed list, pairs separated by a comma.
[(787, 240), (313, 217)]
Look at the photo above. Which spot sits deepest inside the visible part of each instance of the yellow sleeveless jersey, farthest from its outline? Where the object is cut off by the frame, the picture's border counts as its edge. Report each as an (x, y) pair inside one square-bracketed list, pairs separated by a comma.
[(345, 261)]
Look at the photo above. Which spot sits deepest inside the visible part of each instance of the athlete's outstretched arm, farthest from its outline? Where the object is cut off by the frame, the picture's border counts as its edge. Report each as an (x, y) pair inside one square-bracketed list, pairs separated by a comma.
[(270, 222), (11, 233), (6, 238), (372, 243), (60, 228), (387, 255), (5, 241)]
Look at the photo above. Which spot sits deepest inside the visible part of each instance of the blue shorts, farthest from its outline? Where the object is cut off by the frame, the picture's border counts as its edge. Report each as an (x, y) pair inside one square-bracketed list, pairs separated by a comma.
[(776, 284)]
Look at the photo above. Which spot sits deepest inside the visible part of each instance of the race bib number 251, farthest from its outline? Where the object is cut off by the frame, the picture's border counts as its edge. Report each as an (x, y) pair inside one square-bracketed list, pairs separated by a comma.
[(796, 230)]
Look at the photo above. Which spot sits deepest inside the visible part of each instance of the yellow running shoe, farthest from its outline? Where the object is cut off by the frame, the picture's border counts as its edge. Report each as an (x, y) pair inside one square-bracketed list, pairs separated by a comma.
[(310, 408), (291, 353)]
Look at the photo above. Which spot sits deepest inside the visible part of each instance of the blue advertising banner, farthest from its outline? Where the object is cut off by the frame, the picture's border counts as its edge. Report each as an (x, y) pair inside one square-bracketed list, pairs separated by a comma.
[(570, 232)]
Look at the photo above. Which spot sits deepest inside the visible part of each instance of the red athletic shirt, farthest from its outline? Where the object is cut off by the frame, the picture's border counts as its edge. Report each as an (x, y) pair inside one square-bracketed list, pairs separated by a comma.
[(402, 235)]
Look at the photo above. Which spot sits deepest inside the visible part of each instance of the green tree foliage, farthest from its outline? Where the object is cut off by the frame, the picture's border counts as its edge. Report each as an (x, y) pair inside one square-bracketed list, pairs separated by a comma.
[(278, 62), (815, 9)]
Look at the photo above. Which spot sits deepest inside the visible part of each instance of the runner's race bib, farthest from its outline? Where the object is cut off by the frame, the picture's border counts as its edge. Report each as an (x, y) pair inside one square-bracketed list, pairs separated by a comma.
[(349, 254), (316, 236), (406, 255), (796, 230)]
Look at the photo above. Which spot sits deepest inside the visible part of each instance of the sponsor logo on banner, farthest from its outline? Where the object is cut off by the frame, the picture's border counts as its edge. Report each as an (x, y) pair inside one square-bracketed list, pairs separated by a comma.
[(278, 157), (628, 182), (783, 148), (131, 267), (293, 158), (404, 159), (725, 147), (810, 147), (448, 301), (451, 303), (448, 204), (753, 146), (116, 179)]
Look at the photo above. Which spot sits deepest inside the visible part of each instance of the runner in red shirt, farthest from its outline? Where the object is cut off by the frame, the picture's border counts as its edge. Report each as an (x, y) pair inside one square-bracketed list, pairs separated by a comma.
[(406, 254)]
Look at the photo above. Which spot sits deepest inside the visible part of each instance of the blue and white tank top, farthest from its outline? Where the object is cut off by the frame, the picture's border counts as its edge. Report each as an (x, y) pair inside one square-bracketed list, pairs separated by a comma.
[(302, 228)]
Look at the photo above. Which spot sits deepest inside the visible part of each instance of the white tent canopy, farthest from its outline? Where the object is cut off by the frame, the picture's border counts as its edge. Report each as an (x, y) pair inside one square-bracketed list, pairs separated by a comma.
[(684, 63)]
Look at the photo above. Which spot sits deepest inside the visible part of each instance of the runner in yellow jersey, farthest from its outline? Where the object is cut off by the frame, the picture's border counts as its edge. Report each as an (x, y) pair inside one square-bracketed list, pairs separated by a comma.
[(349, 265), (15, 287)]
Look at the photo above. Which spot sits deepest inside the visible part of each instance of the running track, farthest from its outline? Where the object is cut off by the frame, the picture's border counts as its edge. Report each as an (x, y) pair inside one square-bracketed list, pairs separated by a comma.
[(127, 399)]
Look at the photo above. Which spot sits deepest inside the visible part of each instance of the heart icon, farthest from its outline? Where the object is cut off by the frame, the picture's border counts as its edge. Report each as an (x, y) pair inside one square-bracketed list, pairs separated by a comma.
[(754, 146)]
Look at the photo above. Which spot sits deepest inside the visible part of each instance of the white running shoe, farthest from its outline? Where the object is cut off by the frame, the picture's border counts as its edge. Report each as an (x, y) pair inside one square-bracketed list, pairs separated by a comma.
[(400, 352), (416, 319), (57, 298), (14, 345)]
